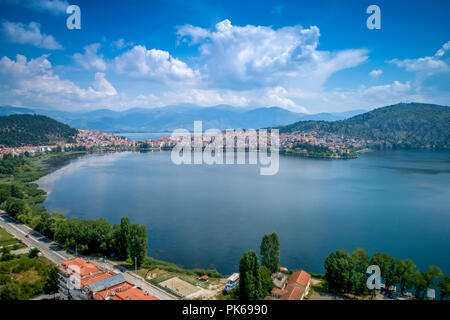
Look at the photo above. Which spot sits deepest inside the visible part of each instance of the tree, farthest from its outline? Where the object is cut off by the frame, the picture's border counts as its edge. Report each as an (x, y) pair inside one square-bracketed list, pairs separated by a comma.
[(10, 291), (137, 243), (432, 273), (33, 253), (360, 262), (387, 266), (270, 252), (52, 281), (266, 280), (444, 287), (420, 284), (338, 271), (121, 238), (250, 287), (19, 209), (405, 274)]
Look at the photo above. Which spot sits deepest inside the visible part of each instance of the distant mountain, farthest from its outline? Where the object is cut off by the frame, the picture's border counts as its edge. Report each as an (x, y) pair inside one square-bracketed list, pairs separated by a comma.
[(22, 130), (404, 125), (178, 116)]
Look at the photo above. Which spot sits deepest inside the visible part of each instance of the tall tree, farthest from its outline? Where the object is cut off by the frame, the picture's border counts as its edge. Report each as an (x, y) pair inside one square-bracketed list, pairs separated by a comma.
[(250, 287), (51, 284), (444, 287), (137, 243), (338, 271), (360, 262), (433, 272), (121, 238), (266, 280), (405, 274), (270, 252), (387, 266)]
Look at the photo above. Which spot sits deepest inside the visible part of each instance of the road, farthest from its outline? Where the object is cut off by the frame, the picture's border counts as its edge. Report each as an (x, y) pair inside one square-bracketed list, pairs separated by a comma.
[(56, 254)]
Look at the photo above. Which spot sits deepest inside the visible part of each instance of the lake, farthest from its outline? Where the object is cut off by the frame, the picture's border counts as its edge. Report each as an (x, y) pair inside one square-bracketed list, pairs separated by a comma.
[(206, 216)]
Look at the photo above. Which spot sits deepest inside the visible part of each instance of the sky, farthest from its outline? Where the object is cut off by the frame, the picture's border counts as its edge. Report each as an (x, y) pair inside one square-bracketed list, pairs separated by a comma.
[(304, 56)]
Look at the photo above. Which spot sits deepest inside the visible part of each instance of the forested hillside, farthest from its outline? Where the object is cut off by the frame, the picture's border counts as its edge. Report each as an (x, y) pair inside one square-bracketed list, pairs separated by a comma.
[(23, 130), (404, 125)]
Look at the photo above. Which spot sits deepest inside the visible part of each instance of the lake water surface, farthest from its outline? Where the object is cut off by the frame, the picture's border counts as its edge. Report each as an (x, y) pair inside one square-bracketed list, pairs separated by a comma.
[(206, 216)]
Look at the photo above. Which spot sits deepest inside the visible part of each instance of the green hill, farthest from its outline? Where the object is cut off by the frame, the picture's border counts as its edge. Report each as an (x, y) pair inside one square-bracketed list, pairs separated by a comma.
[(404, 125), (24, 130)]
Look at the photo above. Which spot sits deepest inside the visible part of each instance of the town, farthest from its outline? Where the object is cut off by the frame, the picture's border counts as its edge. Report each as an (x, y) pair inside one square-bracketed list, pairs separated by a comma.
[(309, 143)]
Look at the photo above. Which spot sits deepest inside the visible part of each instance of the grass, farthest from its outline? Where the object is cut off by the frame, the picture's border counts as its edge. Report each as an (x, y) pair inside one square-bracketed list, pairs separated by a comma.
[(7, 240)]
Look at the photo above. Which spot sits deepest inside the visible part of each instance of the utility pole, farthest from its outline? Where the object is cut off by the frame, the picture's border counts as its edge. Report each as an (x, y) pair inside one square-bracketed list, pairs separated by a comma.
[(76, 250), (135, 264)]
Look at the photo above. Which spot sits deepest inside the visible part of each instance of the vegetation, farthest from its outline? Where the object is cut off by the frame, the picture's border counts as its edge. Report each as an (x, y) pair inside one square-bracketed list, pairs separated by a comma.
[(404, 125), (346, 274), (23, 277), (270, 252), (250, 286), (33, 130)]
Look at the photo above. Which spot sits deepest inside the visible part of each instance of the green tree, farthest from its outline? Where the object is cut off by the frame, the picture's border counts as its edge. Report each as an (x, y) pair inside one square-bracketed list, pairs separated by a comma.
[(405, 274), (250, 287), (266, 280), (433, 272), (420, 284), (360, 262), (33, 253), (270, 252), (121, 238), (10, 291), (52, 281), (338, 271), (444, 287), (387, 266), (137, 243)]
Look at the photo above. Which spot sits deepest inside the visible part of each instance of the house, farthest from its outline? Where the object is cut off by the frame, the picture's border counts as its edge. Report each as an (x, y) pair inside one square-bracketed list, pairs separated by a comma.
[(296, 289), (82, 280)]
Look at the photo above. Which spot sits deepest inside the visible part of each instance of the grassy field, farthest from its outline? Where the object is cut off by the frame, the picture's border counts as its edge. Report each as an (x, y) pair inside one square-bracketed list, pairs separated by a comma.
[(7, 240)]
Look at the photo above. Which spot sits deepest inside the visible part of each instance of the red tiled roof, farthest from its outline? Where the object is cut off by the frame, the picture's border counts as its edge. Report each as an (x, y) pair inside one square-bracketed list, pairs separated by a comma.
[(300, 277)]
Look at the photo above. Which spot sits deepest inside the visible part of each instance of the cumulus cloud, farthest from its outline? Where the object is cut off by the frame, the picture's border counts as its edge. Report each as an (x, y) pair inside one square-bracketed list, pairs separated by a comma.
[(375, 74), (121, 43), (17, 32), (426, 65), (33, 82), (51, 6), (104, 86), (153, 64), (90, 59), (251, 56)]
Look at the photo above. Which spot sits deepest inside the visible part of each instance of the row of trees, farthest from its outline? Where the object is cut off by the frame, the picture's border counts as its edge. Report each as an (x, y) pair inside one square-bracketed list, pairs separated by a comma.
[(346, 273), (255, 280)]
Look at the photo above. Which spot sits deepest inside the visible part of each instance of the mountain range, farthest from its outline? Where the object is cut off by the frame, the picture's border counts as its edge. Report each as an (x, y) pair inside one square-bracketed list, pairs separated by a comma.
[(167, 119)]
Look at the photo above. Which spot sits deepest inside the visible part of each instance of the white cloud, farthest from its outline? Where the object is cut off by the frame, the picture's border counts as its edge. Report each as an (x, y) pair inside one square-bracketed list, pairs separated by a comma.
[(121, 43), (28, 34), (51, 6), (104, 86), (247, 57), (375, 74), (34, 83), (426, 65), (153, 64), (90, 60)]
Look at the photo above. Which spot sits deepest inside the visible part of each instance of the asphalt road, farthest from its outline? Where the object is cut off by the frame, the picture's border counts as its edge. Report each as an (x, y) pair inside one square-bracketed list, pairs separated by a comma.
[(56, 254)]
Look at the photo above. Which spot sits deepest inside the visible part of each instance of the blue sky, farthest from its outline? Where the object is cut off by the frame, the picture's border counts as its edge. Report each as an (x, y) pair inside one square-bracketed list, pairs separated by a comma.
[(305, 56)]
